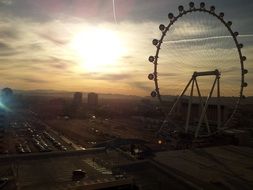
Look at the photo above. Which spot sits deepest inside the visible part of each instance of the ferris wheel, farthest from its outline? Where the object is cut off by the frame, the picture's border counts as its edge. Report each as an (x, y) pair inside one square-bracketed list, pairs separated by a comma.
[(206, 65)]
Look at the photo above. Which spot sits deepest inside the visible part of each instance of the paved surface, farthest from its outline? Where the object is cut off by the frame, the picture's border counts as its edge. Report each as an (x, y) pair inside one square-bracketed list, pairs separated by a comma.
[(225, 167), (53, 170)]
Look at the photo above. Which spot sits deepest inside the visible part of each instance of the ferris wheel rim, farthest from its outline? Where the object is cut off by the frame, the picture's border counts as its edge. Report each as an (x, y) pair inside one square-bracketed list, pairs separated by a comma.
[(164, 29)]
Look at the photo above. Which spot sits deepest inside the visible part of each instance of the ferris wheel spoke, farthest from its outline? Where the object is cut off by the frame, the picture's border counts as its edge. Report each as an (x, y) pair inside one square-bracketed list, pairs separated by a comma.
[(170, 42)]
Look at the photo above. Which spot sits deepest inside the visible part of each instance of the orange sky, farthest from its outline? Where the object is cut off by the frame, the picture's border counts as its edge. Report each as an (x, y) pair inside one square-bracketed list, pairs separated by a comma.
[(89, 46)]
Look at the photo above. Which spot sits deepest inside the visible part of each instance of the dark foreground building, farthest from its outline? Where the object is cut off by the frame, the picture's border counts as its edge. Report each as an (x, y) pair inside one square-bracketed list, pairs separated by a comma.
[(207, 168)]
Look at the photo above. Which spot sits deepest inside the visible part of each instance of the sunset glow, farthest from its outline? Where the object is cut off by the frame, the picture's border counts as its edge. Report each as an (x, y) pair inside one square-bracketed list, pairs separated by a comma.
[(103, 46), (97, 48)]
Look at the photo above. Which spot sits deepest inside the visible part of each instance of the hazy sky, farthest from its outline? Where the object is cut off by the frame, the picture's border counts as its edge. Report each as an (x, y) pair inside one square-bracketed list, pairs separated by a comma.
[(103, 45)]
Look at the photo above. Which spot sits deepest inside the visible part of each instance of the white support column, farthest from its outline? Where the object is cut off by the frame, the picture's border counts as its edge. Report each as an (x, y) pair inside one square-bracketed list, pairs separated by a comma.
[(189, 108), (175, 104), (202, 106), (179, 97), (205, 108), (218, 103)]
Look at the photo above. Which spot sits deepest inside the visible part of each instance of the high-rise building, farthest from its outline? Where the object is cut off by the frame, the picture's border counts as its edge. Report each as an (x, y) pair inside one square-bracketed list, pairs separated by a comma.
[(77, 99), (92, 99)]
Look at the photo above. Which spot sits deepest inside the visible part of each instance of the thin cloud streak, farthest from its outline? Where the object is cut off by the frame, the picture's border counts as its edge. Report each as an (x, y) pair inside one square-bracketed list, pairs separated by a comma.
[(207, 38), (114, 11)]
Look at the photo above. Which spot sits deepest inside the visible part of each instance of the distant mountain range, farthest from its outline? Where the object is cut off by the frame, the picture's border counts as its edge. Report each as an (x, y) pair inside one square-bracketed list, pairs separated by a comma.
[(69, 94)]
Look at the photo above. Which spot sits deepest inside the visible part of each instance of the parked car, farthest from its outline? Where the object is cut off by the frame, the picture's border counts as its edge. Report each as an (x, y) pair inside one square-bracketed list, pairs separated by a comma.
[(78, 174)]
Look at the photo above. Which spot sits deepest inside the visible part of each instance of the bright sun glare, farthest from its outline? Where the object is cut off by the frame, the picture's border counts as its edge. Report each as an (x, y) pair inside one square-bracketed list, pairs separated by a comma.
[(98, 49)]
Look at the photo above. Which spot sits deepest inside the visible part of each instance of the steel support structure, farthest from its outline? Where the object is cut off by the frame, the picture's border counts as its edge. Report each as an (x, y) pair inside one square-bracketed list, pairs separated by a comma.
[(203, 116)]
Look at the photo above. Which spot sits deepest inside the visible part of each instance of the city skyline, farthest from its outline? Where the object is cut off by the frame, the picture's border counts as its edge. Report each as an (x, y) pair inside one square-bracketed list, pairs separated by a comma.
[(103, 46)]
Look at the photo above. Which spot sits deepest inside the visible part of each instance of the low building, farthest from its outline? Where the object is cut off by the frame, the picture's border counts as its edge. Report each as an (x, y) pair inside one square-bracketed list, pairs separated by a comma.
[(211, 112)]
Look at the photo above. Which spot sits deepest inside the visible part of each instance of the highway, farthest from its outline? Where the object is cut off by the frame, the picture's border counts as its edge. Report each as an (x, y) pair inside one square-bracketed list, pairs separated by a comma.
[(31, 156)]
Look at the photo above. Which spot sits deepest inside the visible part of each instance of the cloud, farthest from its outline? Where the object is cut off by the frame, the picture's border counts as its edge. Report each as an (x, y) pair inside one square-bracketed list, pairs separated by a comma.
[(211, 40), (6, 2), (144, 86), (9, 33), (54, 40), (35, 41), (33, 80), (6, 50), (107, 77), (116, 77), (8, 54), (4, 47), (59, 64)]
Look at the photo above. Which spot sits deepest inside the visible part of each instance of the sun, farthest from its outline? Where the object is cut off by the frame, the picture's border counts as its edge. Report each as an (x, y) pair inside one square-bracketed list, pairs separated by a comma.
[(98, 49)]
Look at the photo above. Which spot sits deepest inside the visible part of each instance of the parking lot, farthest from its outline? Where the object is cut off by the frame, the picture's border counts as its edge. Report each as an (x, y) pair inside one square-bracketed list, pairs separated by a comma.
[(25, 137)]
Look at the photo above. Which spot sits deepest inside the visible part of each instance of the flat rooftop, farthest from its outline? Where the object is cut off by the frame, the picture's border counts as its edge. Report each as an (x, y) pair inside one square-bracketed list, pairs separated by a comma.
[(223, 167)]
